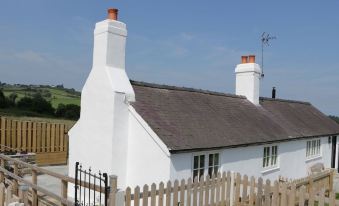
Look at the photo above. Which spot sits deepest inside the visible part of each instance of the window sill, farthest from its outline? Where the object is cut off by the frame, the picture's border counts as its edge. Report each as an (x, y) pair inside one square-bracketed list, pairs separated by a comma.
[(270, 169), (310, 159)]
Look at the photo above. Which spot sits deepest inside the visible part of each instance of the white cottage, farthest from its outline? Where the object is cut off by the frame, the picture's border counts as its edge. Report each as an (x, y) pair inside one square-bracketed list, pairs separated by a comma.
[(146, 133)]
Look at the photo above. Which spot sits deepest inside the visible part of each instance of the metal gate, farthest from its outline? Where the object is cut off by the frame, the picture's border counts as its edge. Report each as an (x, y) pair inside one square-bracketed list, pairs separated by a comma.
[(85, 184)]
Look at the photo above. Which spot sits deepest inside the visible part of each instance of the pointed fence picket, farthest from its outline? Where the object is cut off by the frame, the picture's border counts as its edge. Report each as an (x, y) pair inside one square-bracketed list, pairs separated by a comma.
[(247, 191)]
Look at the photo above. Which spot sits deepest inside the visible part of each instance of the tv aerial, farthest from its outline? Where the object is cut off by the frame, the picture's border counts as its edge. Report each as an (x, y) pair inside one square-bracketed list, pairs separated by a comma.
[(265, 41)]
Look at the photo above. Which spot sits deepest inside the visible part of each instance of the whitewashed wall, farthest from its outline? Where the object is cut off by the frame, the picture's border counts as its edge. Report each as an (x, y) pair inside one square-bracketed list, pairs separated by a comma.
[(148, 158), (292, 161)]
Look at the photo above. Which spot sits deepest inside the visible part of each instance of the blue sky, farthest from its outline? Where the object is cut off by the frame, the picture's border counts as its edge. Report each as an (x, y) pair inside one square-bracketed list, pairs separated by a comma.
[(183, 43)]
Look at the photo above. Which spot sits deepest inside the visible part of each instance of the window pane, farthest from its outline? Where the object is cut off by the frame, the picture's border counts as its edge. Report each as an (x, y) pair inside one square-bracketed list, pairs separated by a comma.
[(195, 173), (274, 160), (202, 161), (210, 170), (216, 170), (201, 172), (210, 160), (216, 159), (196, 162)]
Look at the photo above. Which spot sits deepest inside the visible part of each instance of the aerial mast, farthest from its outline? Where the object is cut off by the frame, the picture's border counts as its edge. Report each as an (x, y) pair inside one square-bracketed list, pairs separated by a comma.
[(265, 39)]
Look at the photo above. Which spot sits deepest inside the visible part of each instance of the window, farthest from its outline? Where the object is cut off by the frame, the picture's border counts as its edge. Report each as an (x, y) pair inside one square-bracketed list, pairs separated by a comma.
[(213, 164), (198, 166), (270, 158), (209, 165), (313, 148)]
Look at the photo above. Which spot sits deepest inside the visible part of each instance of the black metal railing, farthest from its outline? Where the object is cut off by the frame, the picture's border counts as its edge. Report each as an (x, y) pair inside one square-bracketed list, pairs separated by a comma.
[(88, 195)]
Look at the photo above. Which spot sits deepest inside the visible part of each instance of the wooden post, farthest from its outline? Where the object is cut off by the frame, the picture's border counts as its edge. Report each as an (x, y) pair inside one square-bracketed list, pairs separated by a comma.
[(137, 196), (114, 184), (322, 198), (331, 181), (283, 199), (182, 192), (175, 192), (302, 196), (291, 196), (161, 194), (310, 183), (258, 200), (2, 175), (252, 192), (34, 191), (267, 193), (128, 196), (144, 195), (64, 190), (15, 182), (2, 194), (23, 192), (9, 195)]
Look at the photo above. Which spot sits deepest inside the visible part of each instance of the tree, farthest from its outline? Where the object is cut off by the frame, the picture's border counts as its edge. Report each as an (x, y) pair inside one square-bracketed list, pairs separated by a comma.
[(36, 104), (41, 105), (4, 103), (12, 97), (69, 111)]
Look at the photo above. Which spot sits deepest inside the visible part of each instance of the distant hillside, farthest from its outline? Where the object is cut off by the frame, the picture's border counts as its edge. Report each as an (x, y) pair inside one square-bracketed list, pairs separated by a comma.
[(54, 94), (335, 118)]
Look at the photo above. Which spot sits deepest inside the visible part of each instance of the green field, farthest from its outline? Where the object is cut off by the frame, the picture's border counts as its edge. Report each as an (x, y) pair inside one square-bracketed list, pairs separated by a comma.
[(53, 94)]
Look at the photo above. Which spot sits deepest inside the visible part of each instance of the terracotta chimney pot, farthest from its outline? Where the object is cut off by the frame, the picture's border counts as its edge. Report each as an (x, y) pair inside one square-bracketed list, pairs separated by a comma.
[(251, 58), (112, 14), (244, 59)]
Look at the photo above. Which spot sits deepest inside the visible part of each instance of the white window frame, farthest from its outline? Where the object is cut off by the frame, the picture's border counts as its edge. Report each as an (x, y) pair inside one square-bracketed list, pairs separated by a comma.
[(270, 160), (206, 163), (199, 168), (215, 165), (313, 148)]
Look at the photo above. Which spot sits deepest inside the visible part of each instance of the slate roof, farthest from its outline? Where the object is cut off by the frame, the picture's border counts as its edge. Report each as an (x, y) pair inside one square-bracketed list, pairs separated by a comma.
[(190, 119)]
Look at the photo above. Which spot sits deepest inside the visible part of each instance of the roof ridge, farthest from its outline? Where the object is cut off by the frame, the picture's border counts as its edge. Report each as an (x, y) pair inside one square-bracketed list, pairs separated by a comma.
[(284, 100), (187, 89)]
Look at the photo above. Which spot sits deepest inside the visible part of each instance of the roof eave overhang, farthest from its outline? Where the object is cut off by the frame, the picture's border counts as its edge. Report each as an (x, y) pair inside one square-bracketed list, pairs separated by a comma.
[(250, 144)]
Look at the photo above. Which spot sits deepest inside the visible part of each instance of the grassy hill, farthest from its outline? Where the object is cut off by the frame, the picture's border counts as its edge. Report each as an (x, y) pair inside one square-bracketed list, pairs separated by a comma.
[(54, 94)]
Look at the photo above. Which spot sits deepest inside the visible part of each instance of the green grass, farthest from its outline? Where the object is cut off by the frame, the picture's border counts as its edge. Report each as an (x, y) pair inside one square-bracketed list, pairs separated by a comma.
[(32, 116), (58, 95)]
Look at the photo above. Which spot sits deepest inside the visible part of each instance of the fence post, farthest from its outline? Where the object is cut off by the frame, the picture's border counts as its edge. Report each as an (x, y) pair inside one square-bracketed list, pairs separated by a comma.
[(34, 191), (2, 194), (232, 189), (2, 175), (8, 195), (23, 191), (331, 181), (113, 185), (15, 182), (64, 190)]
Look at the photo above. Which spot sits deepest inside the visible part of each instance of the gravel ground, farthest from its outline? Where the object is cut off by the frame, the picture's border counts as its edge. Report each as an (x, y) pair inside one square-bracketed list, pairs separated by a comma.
[(50, 183)]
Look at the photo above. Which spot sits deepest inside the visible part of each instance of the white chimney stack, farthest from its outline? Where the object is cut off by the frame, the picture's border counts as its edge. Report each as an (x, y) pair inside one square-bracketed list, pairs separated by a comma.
[(109, 52), (100, 137), (248, 75)]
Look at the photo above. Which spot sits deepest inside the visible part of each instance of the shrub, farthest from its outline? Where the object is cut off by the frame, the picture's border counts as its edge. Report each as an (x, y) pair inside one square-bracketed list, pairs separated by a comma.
[(37, 104), (4, 102), (69, 111)]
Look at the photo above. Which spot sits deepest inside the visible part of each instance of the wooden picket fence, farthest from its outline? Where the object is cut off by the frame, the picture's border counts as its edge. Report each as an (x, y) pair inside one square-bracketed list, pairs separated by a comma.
[(230, 189), (48, 140)]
